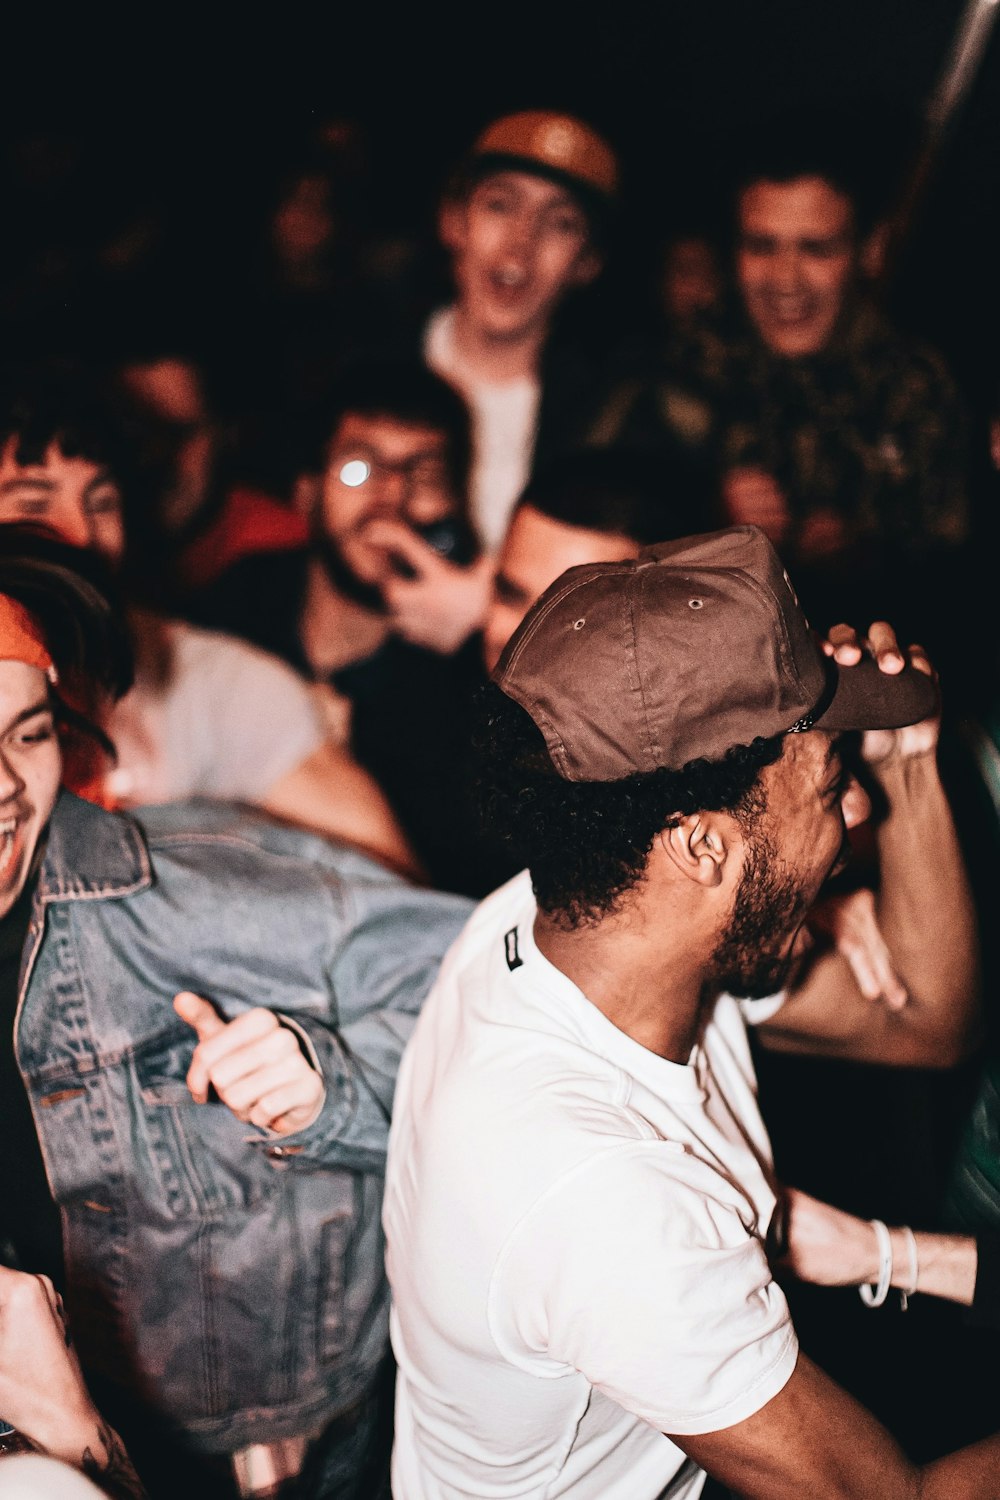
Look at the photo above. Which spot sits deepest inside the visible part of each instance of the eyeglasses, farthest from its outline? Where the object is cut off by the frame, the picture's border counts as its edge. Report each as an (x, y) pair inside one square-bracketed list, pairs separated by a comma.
[(356, 469)]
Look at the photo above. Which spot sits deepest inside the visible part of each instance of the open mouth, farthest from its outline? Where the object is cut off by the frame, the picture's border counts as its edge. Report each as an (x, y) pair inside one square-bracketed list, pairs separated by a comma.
[(11, 839), (790, 312), (508, 285)]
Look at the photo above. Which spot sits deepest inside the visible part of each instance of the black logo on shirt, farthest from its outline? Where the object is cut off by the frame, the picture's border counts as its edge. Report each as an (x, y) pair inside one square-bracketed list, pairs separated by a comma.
[(514, 959)]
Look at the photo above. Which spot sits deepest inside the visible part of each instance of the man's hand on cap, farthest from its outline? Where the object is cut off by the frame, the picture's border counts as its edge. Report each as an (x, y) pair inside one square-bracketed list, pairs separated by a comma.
[(882, 746)]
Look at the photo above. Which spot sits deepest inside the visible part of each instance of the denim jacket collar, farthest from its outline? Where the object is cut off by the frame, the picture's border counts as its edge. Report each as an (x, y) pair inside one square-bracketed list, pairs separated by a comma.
[(90, 856)]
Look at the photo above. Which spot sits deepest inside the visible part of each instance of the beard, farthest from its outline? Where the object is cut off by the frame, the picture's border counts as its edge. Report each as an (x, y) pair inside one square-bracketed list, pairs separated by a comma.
[(343, 577), (769, 906)]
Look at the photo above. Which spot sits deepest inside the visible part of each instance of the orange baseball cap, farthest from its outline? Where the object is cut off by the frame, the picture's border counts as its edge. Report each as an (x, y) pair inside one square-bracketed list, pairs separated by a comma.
[(552, 145), (21, 638)]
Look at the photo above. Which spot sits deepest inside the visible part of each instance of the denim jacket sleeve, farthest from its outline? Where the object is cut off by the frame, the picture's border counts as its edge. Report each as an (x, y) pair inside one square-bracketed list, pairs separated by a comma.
[(394, 940)]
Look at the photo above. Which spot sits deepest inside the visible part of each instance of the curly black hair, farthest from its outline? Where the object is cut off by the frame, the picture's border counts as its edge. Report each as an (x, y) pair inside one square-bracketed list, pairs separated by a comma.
[(586, 843)]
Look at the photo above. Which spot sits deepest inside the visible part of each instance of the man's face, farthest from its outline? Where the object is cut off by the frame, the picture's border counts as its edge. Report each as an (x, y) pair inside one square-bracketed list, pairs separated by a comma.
[(30, 767), (74, 496), (796, 261), (798, 841), (519, 244), (380, 469), (535, 552)]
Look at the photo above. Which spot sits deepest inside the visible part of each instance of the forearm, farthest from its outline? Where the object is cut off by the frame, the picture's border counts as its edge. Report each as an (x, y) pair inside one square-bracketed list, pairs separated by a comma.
[(965, 1475), (925, 909), (90, 1444), (946, 1265)]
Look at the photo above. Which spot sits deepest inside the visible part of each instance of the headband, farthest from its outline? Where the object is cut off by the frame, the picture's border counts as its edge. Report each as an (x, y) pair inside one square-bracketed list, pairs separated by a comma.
[(21, 638)]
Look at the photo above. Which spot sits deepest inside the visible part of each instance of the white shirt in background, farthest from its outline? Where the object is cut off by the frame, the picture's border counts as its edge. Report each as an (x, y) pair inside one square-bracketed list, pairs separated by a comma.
[(575, 1232), (229, 722), (504, 422)]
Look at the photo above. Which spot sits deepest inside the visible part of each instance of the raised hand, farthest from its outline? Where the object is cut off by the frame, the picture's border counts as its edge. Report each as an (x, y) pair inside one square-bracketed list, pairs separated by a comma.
[(441, 604), (882, 746)]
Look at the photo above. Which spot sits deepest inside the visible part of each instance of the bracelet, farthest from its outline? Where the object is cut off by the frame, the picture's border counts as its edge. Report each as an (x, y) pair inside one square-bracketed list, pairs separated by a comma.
[(905, 1293), (874, 1296)]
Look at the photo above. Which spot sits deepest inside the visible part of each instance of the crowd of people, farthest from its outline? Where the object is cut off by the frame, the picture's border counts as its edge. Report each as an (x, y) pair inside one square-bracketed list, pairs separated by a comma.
[(464, 766)]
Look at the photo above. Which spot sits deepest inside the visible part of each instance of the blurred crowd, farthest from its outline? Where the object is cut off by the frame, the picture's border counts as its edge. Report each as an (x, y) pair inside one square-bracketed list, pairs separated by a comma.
[(325, 469)]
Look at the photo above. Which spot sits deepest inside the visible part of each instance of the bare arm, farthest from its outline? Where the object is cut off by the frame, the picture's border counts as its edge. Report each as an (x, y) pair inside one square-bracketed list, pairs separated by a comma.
[(815, 1439), (926, 915), (833, 1248), (332, 794)]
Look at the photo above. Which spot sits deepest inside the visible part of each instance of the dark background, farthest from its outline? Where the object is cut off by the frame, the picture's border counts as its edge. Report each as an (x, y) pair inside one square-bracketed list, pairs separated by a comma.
[(198, 111)]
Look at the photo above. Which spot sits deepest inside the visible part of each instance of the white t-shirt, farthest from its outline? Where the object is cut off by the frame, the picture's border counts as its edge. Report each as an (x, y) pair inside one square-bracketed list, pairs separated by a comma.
[(504, 420), (229, 722), (575, 1237)]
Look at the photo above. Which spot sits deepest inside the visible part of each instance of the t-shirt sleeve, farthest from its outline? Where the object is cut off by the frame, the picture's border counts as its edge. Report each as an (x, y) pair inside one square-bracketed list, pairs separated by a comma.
[(639, 1272), (257, 720)]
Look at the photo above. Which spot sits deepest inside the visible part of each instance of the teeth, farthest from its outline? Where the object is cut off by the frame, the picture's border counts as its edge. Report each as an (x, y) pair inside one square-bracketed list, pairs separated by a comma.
[(8, 825)]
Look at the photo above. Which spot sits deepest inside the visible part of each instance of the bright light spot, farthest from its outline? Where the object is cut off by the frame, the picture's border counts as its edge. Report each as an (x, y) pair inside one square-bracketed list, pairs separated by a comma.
[(355, 472)]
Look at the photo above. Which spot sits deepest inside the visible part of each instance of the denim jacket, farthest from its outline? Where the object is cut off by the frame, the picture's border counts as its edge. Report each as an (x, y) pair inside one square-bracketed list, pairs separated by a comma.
[(230, 1277)]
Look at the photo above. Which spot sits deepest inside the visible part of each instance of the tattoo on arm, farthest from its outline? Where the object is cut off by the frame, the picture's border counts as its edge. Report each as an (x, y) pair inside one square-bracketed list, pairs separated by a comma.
[(115, 1474)]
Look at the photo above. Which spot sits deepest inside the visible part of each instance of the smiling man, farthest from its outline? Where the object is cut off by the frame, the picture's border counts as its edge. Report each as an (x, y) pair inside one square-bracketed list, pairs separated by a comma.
[(201, 1176), (817, 420), (580, 1189), (524, 224)]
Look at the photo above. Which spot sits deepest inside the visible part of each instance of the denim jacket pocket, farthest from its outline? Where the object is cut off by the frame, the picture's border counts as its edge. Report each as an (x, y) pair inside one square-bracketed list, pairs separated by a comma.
[(199, 1153)]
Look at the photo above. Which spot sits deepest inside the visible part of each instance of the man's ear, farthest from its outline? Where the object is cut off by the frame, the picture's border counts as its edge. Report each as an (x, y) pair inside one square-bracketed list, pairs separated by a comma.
[(698, 846)]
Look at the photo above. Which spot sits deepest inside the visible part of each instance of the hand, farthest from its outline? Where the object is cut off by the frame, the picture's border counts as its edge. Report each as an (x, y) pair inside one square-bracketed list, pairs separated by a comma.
[(827, 1246), (851, 923), (255, 1065), (881, 746), (752, 497), (442, 604), (42, 1392)]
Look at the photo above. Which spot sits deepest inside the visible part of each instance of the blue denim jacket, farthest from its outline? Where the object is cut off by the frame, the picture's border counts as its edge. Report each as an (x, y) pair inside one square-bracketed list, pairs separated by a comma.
[(230, 1277)]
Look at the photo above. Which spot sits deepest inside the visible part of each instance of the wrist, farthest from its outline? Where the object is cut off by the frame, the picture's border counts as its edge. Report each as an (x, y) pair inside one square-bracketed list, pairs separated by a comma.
[(70, 1433)]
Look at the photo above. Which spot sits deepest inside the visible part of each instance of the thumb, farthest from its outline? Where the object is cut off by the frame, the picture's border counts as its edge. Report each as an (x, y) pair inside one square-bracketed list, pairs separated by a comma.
[(200, 1014)]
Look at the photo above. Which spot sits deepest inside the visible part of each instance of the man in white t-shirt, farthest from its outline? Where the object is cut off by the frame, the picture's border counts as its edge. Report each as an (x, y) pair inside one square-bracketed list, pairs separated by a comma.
[(523, 225), (579, 1189)]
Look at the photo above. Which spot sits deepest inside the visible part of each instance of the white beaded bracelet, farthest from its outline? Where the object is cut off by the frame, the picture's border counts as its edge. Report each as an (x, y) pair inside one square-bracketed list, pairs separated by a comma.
[(874, 1296), (905, 1293)]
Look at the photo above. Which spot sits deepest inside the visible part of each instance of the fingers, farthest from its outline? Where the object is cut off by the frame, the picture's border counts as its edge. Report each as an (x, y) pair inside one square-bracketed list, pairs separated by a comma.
[(200, 1014), (885, 648), (258, 1070), (920, 660), (843, 645), (846, 647), (404, 543), (221, 1040)]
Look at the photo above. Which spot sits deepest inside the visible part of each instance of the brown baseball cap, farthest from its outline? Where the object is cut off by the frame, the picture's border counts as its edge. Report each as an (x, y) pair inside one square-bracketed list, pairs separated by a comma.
[(552, 145), (691, 648)]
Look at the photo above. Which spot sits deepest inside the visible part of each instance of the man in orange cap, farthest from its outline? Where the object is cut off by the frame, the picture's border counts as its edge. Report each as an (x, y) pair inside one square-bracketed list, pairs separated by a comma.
[(524, 223)]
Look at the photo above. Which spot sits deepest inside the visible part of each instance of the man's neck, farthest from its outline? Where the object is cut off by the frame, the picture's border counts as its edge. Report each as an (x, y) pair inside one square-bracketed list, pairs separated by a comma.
[(334, 630), (482, 357), (649, 986)]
